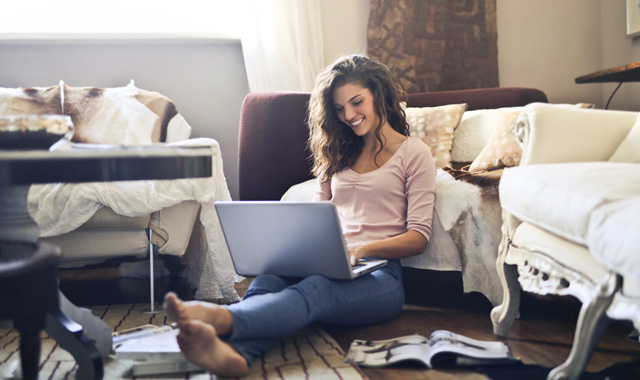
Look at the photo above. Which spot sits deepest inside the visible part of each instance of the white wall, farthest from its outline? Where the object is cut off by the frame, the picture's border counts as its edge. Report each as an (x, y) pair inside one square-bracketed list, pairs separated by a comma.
[(544, 44), (618, 50), (344, 27), (548, 43)]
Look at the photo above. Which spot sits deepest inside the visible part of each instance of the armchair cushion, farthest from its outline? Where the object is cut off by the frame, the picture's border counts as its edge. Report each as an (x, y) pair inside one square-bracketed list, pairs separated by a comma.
[(554, 134), (561, 197), (614, 235), (540, 250)]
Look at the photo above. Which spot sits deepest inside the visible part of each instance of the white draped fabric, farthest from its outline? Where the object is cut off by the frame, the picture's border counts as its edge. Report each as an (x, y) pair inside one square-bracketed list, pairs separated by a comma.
[(282, 44)]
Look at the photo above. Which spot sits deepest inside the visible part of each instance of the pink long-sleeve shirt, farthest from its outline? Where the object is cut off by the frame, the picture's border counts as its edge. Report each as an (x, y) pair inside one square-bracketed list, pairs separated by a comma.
[(391, 200)]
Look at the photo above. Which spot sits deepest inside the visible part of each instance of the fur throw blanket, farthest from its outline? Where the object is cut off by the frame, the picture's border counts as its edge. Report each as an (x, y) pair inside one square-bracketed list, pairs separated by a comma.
[(469, 209), (130, 116)]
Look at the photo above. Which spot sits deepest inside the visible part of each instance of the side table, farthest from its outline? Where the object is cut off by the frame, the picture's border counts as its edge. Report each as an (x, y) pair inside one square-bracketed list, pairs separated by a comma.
[(82, 163), (620, 74)]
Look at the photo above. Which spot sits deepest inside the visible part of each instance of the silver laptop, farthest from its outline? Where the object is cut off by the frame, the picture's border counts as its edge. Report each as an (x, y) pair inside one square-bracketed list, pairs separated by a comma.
[(291, 239)]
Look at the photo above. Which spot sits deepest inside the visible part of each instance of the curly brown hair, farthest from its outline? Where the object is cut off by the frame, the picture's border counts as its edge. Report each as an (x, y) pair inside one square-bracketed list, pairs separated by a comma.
[(333, 144)]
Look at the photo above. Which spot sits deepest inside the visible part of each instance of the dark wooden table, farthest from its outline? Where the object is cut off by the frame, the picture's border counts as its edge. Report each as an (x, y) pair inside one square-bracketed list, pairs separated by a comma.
[(19, 169), (625, 73), (620, 74)]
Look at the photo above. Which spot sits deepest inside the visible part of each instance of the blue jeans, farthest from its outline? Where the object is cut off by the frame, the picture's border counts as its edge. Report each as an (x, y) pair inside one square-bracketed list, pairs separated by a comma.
[(276, 306)]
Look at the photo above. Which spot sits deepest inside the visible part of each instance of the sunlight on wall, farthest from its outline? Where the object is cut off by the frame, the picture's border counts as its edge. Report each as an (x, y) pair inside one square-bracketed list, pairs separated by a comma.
[(210, 17)]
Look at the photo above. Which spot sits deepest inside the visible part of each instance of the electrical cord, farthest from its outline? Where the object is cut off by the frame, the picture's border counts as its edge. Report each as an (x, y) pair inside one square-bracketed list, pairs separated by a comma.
[(613, 93)]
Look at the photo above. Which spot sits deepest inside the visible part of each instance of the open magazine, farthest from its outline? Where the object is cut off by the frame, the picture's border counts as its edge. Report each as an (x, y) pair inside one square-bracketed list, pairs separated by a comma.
[(442, 348)]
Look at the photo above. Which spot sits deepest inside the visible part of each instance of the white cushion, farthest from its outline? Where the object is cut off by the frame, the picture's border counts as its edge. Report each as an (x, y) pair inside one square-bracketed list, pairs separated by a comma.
[(561, 197), (570, 256), (614, 236), (554, 134), (301, 192)]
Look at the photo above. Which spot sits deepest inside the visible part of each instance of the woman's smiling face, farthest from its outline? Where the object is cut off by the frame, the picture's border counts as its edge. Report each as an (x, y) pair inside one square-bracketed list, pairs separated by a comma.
[(354, 106)]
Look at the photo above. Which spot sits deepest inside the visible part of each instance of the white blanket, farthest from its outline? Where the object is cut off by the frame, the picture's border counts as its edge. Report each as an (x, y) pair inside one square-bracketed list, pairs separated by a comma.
[(61, 208)]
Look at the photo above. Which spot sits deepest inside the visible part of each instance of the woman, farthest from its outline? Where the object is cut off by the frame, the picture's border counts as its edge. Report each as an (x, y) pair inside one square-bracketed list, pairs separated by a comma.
[(383, 185)]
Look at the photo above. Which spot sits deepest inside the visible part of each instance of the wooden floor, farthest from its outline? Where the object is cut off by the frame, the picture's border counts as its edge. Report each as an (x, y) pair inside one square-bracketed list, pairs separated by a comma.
[(542, 336)]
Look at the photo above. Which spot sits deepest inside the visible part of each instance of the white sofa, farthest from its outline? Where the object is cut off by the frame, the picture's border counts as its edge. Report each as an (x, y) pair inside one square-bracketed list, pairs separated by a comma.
[(571, 220), (93, 222)]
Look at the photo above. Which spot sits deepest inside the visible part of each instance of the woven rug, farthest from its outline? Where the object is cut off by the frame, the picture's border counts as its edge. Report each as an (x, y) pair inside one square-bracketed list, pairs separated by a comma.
[(309, 354)]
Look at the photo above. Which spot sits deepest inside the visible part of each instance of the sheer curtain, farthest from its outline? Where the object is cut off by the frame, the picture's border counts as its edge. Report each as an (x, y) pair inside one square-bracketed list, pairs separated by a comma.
[(282, 44)]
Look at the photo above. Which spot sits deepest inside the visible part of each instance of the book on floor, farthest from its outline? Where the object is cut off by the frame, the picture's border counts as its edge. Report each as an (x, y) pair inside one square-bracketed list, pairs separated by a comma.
[(442, 348), (161, 346), (140, 331), (159, 367), (154, 353)]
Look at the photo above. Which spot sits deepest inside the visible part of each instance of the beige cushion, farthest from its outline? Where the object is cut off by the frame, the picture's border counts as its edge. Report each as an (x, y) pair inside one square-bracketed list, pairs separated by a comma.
[(83, 247), (473, 133), (560, 198), (629, 149), (435, 127), (503, 149), (106, 219), (573, 257)]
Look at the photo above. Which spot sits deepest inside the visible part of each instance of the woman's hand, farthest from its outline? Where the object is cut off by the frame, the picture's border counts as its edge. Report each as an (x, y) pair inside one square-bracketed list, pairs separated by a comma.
[(356, 252), (401, 246)]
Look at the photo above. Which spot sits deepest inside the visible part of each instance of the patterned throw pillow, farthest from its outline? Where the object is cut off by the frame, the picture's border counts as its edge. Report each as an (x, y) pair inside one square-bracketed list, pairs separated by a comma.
[(502, 149), (435, 126)]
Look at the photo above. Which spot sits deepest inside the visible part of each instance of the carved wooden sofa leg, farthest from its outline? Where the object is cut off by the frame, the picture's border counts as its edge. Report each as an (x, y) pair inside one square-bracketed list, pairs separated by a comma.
[(503, 315), (592, 323)]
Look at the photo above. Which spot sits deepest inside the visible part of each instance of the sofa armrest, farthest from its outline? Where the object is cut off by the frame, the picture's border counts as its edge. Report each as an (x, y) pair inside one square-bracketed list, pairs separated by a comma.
[(555, 133), (172, 227)]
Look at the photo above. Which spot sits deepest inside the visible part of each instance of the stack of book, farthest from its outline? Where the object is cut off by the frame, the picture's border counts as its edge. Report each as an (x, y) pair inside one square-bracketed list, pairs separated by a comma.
[(154, 350)]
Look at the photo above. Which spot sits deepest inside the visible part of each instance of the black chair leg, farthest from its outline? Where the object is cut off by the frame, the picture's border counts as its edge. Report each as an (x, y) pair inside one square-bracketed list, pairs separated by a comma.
[(29, 329)]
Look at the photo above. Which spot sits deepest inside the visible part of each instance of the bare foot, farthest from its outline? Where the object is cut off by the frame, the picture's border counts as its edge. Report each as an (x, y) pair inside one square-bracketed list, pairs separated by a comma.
[(181, 312), (202, 347)]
